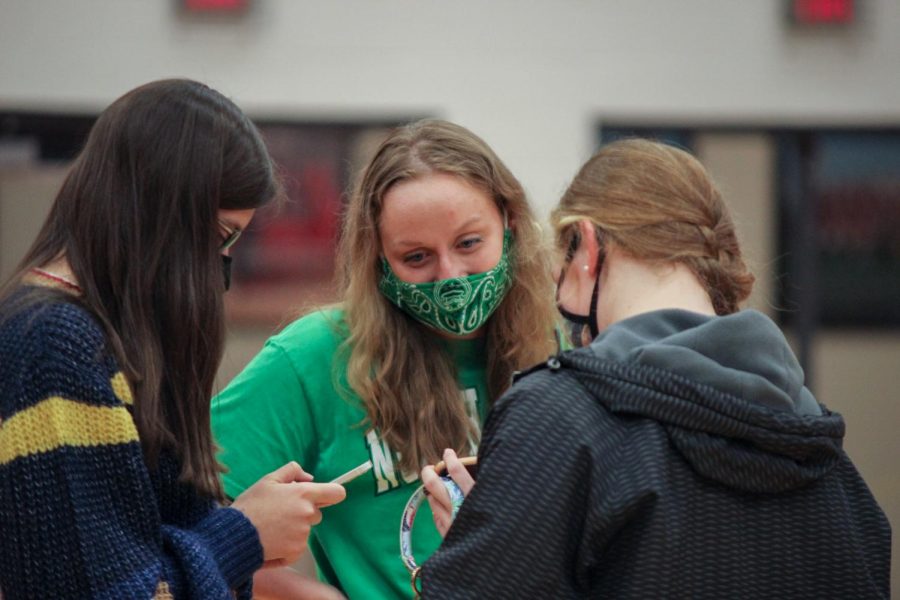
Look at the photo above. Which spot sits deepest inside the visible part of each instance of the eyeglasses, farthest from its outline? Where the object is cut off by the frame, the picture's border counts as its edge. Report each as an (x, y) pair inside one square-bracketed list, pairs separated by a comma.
[(231, 235)]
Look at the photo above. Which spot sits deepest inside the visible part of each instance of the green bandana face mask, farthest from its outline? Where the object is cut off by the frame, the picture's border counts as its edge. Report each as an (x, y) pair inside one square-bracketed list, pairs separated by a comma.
[(457, 306)]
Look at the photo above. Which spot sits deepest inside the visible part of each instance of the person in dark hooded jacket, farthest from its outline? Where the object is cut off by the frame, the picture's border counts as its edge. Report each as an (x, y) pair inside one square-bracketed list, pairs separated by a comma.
[(677, 454)]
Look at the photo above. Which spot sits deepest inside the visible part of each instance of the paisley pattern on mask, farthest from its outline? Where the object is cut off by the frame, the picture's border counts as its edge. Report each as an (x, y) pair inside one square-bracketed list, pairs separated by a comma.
[(458, 306)]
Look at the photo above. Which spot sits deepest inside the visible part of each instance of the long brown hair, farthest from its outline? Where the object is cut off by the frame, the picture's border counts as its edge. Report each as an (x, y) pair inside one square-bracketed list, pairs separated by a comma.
[(658, 203), (406, 381), (136, 219)]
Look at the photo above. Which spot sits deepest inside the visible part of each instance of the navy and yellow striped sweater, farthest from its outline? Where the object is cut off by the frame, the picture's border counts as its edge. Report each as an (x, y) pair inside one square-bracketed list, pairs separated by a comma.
[(81, 516)]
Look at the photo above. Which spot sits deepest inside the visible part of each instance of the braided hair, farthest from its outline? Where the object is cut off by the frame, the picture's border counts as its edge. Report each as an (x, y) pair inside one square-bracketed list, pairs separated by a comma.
[(659, 204)]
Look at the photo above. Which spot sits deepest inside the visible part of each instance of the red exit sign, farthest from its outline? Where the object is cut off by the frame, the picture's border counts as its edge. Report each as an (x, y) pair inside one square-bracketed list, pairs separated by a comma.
[(822, 12), (215, 5)]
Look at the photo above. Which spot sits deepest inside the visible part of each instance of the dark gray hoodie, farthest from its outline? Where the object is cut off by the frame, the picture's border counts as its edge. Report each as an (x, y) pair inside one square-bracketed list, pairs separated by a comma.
[(744, 403), (678, 456)]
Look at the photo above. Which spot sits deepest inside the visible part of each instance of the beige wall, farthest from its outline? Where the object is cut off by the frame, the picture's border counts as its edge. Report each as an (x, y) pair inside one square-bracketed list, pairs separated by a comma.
[(857, 373), (532, 78), (25, 197)]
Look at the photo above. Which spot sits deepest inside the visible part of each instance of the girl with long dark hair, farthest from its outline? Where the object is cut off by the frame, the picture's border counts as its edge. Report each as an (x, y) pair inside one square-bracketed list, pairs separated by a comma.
[(111, 331)]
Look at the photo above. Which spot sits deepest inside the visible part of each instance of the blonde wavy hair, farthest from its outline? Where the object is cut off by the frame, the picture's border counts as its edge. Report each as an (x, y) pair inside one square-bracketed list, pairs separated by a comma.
[(658, 203), (404, 377)]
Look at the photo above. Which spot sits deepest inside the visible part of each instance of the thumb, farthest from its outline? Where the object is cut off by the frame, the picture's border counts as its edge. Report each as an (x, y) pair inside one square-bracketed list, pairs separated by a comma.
[(289, 473), (324, 494)]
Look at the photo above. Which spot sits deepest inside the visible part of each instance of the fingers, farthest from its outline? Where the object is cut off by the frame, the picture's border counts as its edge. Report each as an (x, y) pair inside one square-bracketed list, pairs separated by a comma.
[(441, 516), (435, 488), (438, 499), (322, 494), (290, 473), (458, 472), (283, 506)]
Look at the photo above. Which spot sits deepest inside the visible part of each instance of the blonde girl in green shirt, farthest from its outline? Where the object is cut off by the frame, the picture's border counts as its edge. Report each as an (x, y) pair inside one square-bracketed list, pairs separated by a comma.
[(446, 291)]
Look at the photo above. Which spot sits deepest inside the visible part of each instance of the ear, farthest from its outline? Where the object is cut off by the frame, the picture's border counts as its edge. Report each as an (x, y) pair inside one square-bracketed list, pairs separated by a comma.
[(589, 249)]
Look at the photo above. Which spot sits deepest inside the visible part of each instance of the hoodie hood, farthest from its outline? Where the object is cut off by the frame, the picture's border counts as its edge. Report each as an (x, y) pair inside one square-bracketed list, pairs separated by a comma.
[(728, 391)]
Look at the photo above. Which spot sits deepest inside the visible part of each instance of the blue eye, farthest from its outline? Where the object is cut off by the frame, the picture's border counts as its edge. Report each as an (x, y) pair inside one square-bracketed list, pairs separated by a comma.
[(470, 242), (415, 257)]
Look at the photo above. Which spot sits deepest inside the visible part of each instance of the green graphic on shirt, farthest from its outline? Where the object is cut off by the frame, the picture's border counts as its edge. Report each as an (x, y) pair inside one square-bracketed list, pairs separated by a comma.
[(384, 459)]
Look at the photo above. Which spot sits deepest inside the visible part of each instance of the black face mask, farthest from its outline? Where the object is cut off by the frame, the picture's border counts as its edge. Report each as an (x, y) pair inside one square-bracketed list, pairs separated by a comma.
[(226, 270), (582, 329)]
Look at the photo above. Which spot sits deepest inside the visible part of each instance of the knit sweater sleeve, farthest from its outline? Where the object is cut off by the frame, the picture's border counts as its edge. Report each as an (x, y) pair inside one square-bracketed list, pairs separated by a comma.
[(79, 512)]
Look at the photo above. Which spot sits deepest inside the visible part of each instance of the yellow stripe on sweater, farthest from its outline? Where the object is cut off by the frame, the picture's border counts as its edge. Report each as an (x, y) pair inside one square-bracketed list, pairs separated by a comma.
[(56, 422), (121, 388), (162, 592)]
